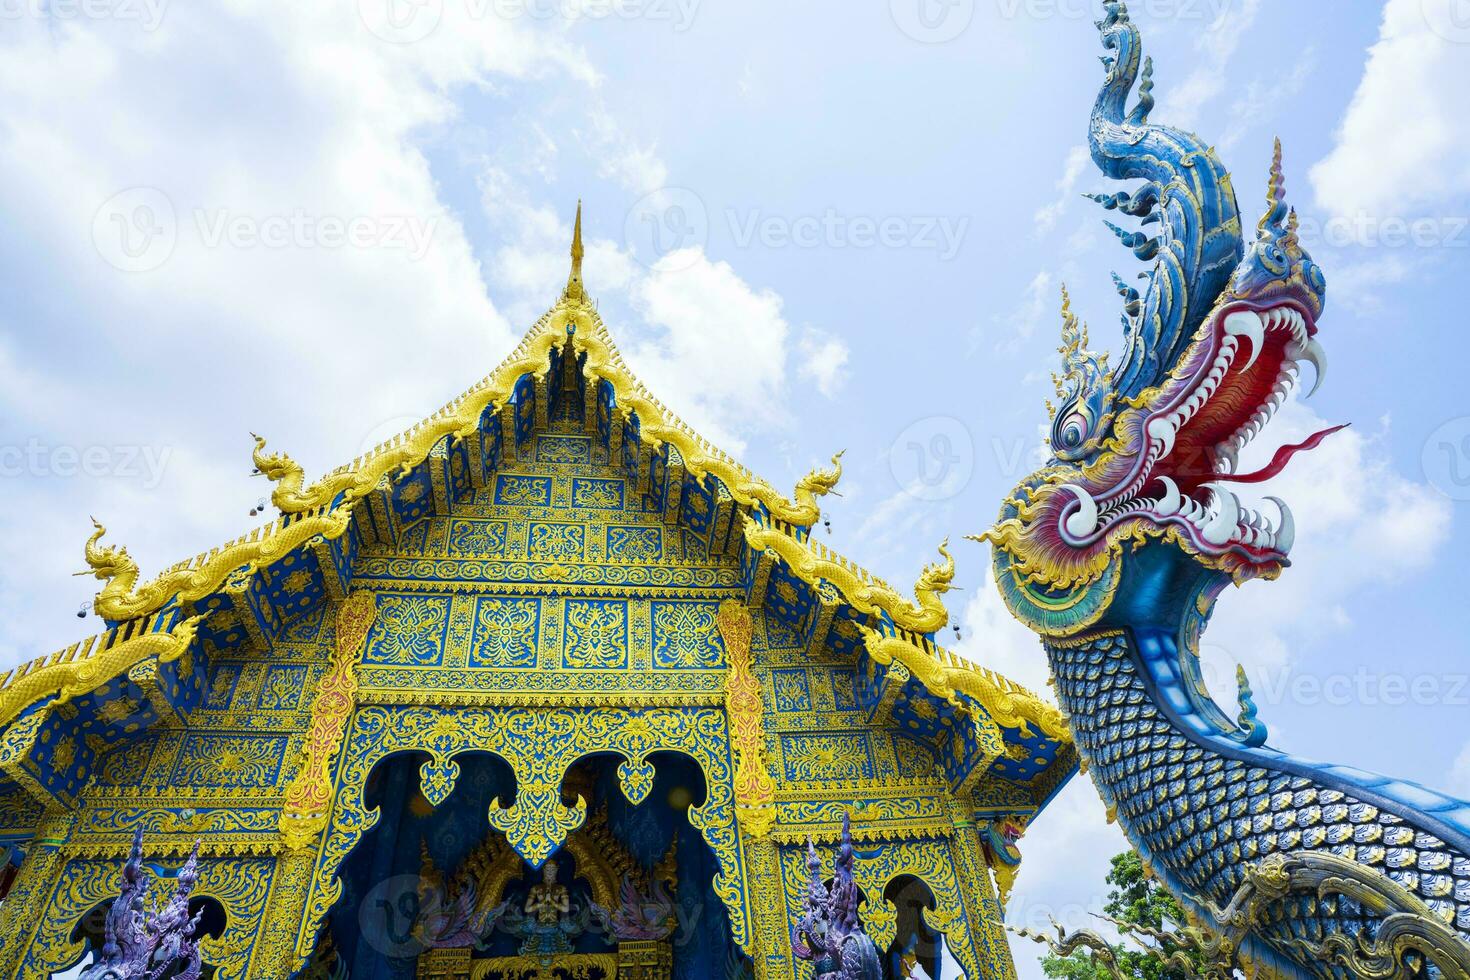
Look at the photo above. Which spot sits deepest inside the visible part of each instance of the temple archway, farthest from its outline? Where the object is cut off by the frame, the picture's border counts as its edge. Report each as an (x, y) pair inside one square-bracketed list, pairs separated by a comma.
[(434, 890)]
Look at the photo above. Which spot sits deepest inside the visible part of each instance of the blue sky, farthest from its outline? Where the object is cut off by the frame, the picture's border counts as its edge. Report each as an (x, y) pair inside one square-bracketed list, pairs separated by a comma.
[(812, 227)]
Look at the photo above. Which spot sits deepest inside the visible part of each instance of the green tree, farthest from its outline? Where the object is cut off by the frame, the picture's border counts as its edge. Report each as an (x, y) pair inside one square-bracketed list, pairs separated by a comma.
[(1138, 900)]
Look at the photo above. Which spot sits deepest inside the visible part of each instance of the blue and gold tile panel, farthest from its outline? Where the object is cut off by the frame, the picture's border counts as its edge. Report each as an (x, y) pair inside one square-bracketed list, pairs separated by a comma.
[(1027, 755), (554, 541), (490, 440), (685, 635), (413, 496), (221, 688), (461, 482), (564, 449), (595, 494), (658, 482), (606, 401), (214, 761), (789, 598), (827, 757), (409, 631), (282, 688), (637, 544), (522, 491), (478, 539), (524, 400), (792, 690), (595, 634), (697, 507), (293, 585), (505, 633), (844, 689), (632, 452)]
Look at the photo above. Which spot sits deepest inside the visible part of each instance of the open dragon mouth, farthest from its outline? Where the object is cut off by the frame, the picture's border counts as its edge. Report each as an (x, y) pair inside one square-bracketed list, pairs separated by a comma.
[(1236, 380)]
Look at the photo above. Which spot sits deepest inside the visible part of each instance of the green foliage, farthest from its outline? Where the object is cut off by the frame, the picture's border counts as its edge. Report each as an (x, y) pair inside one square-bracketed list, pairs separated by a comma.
[(1137, 900)]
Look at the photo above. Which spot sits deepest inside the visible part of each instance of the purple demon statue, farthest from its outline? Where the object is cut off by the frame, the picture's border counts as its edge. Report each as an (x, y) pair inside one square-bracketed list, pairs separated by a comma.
[(144, 945), (829, 933)]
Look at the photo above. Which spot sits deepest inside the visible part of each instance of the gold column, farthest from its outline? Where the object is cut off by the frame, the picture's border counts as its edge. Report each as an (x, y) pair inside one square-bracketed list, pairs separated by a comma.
[(982, 908), (310, 796), (29, 900), (755, 799)]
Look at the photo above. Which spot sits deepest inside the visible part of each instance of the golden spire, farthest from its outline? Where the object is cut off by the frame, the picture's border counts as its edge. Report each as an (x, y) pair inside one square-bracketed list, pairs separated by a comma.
[(574, 290)]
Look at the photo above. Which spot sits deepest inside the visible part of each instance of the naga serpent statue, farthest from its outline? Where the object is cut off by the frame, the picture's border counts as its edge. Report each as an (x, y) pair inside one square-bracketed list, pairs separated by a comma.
[(1117, 549), (829, 934)]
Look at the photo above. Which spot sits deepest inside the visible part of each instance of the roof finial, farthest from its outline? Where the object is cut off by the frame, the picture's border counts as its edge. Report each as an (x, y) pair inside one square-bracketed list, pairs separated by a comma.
[(574, 290)]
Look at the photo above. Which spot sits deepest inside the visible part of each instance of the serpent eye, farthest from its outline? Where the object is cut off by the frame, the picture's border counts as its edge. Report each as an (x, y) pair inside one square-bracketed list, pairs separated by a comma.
[(1072, 430), (1274, 259)]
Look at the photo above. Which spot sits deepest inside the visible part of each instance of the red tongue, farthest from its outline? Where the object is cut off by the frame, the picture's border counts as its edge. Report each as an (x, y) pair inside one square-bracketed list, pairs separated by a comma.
[(1282, 457)]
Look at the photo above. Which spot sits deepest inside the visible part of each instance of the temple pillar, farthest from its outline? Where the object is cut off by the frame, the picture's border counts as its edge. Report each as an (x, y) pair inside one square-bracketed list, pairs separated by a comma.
[(982, 908), (23, 913), (286, 939)]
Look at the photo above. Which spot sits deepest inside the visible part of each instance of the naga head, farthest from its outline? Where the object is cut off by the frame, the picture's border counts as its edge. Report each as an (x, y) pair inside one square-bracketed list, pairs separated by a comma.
[(1133, 516)]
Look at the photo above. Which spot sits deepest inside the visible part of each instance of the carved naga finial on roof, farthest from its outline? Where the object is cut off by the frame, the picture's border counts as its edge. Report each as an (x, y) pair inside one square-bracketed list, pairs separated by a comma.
[(110, 564), (283, 471)]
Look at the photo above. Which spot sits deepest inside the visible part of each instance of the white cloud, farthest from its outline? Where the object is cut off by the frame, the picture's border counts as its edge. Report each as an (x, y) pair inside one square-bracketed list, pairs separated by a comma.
[(822, 359), (1262, 99), (720, 350), (1017, 326), (1403, 146), (1215, 48), (1360, 524), (1076, 164)]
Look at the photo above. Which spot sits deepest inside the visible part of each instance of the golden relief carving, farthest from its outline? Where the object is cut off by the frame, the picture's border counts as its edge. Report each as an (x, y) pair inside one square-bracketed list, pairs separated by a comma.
[(309, 797), (755, 790)]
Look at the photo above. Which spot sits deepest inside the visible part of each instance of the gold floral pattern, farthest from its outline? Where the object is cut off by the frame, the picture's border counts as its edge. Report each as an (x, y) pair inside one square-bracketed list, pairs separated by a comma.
[(596, 634), (505, 633)]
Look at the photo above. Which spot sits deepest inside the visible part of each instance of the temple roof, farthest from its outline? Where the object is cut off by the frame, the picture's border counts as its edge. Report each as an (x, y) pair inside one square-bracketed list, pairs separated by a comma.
[(233, 595)]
